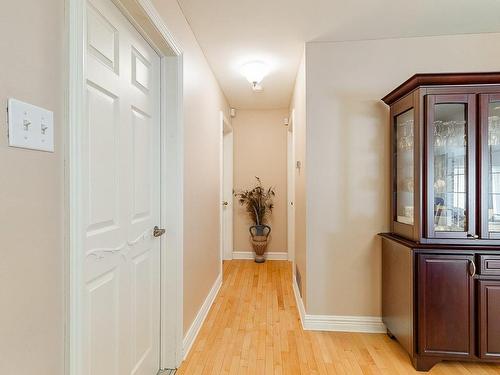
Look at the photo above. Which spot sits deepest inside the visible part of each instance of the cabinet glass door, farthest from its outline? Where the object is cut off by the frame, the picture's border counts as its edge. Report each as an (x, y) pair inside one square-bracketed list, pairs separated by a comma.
[(404, 149), (490, 124), (450, 145)]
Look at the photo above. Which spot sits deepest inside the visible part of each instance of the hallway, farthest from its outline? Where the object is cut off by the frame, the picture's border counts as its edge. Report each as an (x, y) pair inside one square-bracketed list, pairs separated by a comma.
[(254, 328)]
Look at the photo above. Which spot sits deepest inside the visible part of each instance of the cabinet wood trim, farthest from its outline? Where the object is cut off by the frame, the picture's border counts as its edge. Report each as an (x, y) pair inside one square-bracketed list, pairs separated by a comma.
[(436, 79)]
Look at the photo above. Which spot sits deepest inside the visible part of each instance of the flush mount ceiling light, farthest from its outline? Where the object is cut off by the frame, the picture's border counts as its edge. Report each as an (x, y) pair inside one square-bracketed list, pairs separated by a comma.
[(254, 72)]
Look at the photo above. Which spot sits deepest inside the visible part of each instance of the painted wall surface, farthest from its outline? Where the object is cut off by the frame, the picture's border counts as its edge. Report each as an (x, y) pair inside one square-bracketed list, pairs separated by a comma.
[(260, 141), (32, 312), (348, 155), (298, 105), (203, 100), (32, 280)]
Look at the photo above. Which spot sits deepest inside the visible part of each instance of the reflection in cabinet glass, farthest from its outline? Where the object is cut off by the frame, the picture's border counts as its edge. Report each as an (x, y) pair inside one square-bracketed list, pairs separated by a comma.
[(494, 167), (450, 168), (404, 167)]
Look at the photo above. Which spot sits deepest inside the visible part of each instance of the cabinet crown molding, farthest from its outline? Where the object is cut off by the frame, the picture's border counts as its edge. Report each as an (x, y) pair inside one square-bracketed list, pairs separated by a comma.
[(437, 79)]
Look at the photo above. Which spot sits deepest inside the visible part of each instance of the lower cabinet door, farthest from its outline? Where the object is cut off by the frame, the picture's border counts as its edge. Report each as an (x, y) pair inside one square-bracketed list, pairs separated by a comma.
[(489, 319), (445, 305)]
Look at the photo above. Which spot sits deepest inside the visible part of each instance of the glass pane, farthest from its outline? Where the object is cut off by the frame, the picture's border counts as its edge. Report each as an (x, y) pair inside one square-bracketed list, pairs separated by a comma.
[(494, 167), (404, 168), (450, 168)]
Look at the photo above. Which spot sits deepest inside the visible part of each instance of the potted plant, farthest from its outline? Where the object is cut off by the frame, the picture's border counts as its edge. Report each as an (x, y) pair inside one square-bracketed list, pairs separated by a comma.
[(258, 203)]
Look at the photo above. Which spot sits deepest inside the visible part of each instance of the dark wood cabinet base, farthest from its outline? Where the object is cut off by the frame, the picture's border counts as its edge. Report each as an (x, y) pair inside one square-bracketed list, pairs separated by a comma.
[(438, 305), (425, 363)]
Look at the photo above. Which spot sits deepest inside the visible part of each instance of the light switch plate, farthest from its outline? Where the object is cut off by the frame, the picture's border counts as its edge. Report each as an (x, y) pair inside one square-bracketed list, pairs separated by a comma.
[(30, 126)]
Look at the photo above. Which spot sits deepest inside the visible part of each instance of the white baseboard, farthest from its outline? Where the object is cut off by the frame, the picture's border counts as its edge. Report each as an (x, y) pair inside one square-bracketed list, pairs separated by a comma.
[(299, 302), (277, 255), (336, 323), (193, 331)]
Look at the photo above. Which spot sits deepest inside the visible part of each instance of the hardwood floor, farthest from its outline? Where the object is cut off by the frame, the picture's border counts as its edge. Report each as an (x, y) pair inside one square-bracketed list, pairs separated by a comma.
[(254, 328)]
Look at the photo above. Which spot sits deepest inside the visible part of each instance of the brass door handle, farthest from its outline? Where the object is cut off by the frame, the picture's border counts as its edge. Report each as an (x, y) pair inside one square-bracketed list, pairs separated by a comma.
[(158, 232), (472, 268)]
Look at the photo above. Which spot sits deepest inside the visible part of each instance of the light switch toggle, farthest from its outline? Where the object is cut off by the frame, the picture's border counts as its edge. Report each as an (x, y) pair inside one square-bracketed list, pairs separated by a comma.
[(26, 124), (44, 127)]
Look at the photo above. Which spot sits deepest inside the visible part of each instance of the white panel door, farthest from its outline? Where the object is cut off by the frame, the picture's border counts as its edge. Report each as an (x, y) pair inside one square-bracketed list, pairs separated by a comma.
[(227, 193), (291, 190), (120, 182)]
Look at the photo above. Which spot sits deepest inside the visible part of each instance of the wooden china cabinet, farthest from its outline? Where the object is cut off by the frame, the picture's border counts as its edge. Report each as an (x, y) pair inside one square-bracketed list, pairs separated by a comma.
[(441, 260)]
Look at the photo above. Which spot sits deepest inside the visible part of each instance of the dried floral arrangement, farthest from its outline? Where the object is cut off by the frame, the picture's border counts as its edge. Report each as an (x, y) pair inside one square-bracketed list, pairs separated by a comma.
[(258, 202)]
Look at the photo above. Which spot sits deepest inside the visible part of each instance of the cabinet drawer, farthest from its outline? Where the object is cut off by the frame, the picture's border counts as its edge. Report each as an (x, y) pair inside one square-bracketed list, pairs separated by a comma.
[(489, 264)]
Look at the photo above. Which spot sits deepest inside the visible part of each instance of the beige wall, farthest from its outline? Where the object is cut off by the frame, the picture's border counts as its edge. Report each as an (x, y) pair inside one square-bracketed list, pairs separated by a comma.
[(203, 100), (348, 155), (32, 194), (32, 280), (298, 107), (260, 141)]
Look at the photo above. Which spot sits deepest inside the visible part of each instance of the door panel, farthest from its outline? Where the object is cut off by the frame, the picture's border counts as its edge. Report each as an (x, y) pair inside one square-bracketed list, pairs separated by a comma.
[(120, 178), (102, 295), (142, 309), (445, 305), (489, 112), (291, 190), (489, 319), (451, 167), (227, 195)]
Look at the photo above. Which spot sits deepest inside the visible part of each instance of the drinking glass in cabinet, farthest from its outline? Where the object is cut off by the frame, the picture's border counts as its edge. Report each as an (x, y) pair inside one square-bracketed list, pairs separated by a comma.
[(450, 167), (494, 167), (404, 167)]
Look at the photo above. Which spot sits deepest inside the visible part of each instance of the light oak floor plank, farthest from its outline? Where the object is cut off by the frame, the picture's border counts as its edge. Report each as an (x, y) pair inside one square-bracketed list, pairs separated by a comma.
[(254, 328)]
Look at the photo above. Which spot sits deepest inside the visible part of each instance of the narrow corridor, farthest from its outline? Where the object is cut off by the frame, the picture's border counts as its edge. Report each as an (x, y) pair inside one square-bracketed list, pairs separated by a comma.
[(254, 328)]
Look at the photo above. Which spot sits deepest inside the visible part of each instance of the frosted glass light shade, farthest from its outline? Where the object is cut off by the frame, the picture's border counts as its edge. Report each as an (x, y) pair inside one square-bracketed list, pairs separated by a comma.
[(254, 71)]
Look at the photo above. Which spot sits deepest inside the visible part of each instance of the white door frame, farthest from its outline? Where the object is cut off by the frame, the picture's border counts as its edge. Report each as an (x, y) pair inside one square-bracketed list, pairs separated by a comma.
[(152, 28), (291, 188), (225, 127)]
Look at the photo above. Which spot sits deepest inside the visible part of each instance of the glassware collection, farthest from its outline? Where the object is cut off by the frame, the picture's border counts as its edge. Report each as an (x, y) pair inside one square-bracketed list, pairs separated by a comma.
[(404, 167), (450, 187), (494, 169)]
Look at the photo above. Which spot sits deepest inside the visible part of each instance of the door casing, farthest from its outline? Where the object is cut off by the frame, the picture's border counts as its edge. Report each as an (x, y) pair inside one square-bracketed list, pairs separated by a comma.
[(291, 189), (226, 187), (171, 160)]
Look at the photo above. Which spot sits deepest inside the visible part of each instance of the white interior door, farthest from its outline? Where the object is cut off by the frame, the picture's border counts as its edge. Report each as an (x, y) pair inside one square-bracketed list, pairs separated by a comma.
[(291, 190), (121, 186), (227, 192)]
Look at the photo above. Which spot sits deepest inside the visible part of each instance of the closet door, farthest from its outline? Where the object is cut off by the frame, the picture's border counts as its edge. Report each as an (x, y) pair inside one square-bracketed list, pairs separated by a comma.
[(451, 166)]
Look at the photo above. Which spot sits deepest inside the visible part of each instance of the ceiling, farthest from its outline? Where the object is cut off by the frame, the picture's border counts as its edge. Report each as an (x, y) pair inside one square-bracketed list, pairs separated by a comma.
[(232, 32)]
